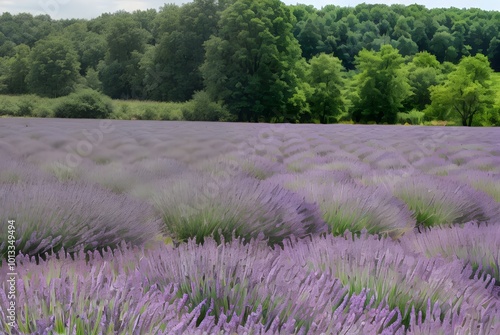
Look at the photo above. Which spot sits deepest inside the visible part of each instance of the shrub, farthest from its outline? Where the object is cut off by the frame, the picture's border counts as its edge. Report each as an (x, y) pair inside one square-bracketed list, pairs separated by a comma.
[(149, 114), (26, 106), (18, 171), (202, 108), (7, 107), (85, 104), (354, 208), (404, 281), (413, 117), (50, 216), (439, 201), (476, 245), (69, 296), (195, 206), (481, 181), (42, 112), (209, 289), (280, 296)]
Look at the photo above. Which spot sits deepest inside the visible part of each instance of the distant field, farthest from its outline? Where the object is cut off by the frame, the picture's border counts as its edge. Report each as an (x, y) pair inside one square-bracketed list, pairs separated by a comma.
[(300, 229)]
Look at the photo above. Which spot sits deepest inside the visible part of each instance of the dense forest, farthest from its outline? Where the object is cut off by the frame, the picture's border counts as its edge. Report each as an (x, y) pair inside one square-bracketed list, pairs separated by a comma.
[(266, 61)]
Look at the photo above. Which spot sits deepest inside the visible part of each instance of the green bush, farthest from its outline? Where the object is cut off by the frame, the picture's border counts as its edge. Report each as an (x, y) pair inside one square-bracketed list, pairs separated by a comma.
[(26, 106), (149, 114), (7, 107), (202, 108), (85, 104), (412, 117), (42, 112)]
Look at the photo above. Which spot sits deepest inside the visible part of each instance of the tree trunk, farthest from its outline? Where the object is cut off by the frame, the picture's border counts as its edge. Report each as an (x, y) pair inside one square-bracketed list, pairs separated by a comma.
[(469, 123)]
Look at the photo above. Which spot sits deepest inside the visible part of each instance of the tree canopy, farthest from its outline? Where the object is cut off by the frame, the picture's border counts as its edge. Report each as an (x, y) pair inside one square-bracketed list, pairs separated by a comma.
[(262, 60), (381, 87), (467, 91), (251, 64)]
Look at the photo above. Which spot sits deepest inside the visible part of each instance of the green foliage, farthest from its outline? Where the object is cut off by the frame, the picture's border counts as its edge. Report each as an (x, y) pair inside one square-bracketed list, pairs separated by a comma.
[(494, 53), (174, 71), (143, 110), (382, 86), (85, 104), (202, 108), (325, 78), (26, 107), (423, 72), (54, 67), (120, 72), (413, 117), (92, 80), (250, 55), (17, 68), (251, 64), (466, 92), (7, 107)]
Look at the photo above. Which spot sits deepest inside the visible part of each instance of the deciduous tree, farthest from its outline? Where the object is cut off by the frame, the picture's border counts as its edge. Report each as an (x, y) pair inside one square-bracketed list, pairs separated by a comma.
[(251, 64), (325, 77), (423, 72), (466, 93), (382, 86), (54, 67)]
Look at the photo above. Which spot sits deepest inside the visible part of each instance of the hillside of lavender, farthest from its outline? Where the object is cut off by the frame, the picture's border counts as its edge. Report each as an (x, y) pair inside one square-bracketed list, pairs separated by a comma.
[(143, 227)]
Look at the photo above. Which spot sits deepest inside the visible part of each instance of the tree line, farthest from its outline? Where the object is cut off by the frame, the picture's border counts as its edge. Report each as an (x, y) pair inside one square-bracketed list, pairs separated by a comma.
[(266, 61)]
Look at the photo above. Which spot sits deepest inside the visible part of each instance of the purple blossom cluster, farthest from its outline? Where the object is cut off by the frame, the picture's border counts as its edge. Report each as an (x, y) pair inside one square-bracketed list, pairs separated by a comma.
[(324, 285), (212, 228), (50, 216)]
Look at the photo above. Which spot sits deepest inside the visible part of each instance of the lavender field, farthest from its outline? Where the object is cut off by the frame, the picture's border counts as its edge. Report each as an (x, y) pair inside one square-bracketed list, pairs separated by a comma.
[(143, 227)]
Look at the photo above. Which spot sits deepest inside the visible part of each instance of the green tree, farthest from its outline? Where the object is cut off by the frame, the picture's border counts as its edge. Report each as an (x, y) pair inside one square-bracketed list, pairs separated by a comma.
[(252, 64), (406, 46), (494, 53), (18, 68), (466, 92), (325, 78), (180, 51), (54, 69), (423, 72), (3, 74), (120, 73), (382, 86), (309, 37), (124, 36), (419, 36), (441, 45), (92, 79)]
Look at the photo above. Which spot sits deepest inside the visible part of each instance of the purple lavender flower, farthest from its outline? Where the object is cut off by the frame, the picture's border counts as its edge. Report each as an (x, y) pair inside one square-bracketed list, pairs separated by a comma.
[(437, 201), (201, 206), (50, 216), (478, 245)]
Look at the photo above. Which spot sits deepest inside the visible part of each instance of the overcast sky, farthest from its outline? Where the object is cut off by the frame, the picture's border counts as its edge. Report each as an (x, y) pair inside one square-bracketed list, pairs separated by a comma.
[(58, 9)]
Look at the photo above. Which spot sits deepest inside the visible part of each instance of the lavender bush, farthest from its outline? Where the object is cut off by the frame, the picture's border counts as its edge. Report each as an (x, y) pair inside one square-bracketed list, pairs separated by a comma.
[(402, 280), (50, 216), (436, 201), (346, 206), (236, 288), (478, 245), (199, 206), (482, 181)]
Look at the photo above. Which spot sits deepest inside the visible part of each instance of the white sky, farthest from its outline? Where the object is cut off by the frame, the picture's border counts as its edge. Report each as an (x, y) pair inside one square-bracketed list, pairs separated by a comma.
[(87, 9)]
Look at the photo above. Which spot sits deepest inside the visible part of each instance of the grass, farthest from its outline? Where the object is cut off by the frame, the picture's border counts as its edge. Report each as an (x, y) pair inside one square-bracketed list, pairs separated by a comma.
[(35, 106)]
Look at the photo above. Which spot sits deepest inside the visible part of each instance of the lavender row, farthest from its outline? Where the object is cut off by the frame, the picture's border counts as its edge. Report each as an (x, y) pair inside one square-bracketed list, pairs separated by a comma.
[(339, 285)]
